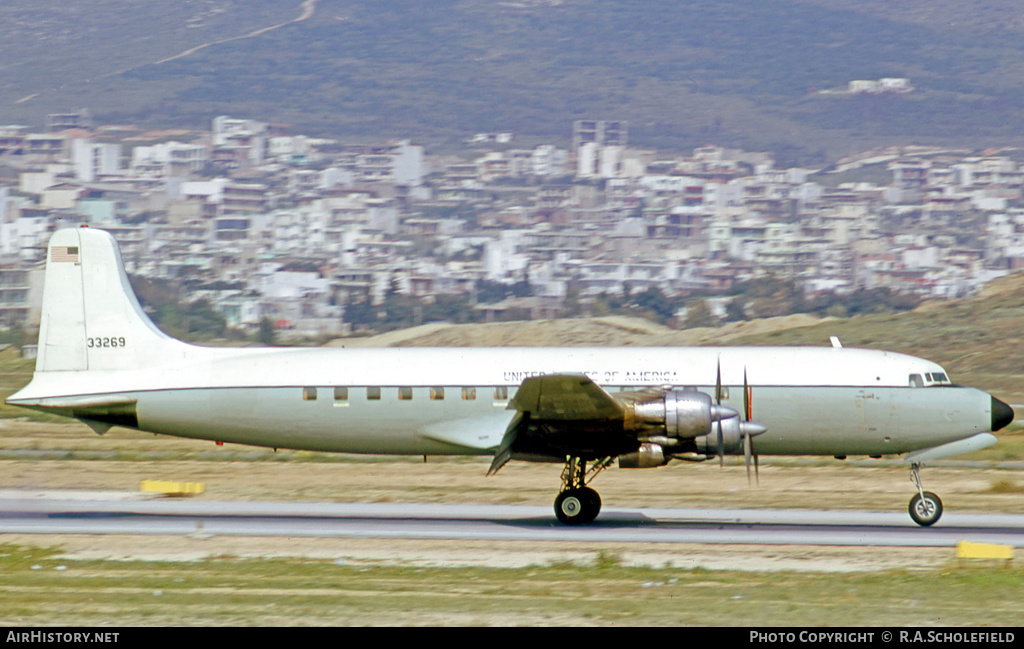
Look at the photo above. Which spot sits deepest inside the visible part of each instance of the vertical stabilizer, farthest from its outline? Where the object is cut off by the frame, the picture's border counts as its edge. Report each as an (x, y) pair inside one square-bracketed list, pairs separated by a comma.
[(91, 319)]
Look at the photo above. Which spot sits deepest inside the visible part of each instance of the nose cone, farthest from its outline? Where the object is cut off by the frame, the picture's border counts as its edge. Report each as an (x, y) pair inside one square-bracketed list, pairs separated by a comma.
[(1002, 414)]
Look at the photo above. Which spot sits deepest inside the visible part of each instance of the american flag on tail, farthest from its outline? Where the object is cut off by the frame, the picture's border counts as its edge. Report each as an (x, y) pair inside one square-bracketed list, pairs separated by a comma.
[(64, 254)]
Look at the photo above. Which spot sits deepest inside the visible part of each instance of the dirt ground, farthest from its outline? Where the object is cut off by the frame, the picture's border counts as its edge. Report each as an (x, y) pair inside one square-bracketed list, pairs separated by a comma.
[(265, 476)]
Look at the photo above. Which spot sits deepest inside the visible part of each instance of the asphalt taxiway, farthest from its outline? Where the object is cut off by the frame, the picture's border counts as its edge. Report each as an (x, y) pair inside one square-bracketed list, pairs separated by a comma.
[(30, 513)]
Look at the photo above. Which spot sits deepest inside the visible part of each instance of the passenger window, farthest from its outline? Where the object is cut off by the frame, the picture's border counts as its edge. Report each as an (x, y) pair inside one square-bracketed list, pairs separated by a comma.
[(404, 394), (309, 394), (437, 394), (468, 394), (340, 397), (915, 381), (373, 394), (501, 393)]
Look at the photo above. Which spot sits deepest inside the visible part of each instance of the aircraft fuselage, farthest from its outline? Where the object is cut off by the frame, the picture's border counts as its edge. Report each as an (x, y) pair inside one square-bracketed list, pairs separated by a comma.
[(813, 401)]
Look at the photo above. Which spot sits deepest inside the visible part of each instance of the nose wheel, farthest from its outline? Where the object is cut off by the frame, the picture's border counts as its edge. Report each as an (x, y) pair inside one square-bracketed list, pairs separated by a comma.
[(925, 507)]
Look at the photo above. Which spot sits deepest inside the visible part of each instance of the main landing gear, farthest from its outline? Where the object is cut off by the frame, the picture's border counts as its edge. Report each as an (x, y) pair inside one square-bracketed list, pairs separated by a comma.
[(925, 507), (577, 503)]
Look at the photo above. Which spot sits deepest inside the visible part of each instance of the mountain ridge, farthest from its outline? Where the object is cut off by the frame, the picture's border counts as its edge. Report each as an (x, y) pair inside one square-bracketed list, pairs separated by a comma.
[(734, 72)]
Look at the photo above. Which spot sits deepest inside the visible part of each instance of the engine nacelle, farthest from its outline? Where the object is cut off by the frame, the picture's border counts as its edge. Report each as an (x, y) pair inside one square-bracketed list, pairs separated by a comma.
[(682, 414), (649, 456), (733, 432)]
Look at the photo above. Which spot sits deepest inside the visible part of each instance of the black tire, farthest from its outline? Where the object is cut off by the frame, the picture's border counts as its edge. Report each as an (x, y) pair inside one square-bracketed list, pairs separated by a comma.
[(926, 511), (576, 506), (593, 504)]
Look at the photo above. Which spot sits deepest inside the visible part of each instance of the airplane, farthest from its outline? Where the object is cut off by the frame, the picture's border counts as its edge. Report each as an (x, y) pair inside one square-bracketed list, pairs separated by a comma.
[(102, 361)]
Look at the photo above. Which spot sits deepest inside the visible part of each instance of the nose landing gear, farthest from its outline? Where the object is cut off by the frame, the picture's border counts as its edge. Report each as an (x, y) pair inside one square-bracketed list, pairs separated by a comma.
[(925, 507)]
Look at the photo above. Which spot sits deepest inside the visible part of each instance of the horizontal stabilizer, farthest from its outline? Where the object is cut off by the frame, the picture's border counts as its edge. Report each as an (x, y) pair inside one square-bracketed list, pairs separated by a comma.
[(94, 401), (100, 412)]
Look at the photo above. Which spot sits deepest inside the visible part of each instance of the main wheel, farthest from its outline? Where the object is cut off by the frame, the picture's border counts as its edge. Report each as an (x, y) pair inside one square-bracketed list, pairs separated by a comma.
[(577, 506), (925, 511), (593, 503)]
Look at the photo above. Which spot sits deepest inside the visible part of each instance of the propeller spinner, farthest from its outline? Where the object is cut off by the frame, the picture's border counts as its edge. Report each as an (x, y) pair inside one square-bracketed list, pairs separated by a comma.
[(748, 429)]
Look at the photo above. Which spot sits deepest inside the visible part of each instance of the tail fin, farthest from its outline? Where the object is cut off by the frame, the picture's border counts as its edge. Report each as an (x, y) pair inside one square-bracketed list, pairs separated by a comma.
[(91, 319)]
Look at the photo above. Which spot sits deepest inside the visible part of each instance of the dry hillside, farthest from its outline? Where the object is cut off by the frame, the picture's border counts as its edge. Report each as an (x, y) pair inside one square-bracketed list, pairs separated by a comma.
[(980, 340)]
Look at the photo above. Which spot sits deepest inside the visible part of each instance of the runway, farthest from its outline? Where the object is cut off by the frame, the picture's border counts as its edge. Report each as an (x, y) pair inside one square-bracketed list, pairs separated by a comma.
[(28, 514)]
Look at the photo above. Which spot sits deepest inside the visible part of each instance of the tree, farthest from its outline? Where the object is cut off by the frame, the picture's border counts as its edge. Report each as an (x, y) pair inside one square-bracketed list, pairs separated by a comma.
[(361, 314), (488, 292), (698, 315), (399, 310), (735, 310), (267, 334), (656, 303), (450, 308), (195, 321), (522, 288)]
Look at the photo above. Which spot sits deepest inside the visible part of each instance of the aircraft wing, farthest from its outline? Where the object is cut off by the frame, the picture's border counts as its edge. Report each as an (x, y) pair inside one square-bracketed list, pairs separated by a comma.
[(559, 415), (565, 397), (472, 432)]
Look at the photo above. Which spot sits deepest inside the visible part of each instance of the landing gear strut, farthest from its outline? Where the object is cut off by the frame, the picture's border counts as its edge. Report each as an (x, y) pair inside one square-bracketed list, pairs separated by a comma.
[(925, 507), (577, 503)]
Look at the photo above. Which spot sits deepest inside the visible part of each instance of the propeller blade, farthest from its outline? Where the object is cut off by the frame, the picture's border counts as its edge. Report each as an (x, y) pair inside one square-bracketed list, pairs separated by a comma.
[(748, 446), (749, 429), (718, 402), (718, 383), (747, 397), (721, 446)]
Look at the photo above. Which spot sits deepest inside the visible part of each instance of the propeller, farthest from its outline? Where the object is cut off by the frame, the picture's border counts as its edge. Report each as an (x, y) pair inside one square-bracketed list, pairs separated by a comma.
[(749, 429), (748, 439), (718, 402)]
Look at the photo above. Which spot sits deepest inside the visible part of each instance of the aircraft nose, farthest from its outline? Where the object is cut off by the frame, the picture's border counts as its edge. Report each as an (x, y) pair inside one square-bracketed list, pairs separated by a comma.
[(1002, 414)]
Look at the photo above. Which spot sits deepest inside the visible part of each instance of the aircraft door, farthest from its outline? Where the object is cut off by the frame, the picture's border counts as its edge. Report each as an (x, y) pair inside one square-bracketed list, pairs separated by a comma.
[(878, 429)]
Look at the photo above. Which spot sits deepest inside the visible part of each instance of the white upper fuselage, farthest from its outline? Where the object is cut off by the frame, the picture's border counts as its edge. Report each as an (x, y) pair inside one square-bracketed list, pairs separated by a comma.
[(631, 367)]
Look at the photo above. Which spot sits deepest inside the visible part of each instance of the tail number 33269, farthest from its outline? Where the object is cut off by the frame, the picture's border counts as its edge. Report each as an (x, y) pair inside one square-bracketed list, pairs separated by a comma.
[(112, 341)]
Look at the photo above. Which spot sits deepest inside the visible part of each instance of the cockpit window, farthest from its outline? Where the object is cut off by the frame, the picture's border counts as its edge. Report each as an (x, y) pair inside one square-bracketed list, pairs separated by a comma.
[(929, 378)]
